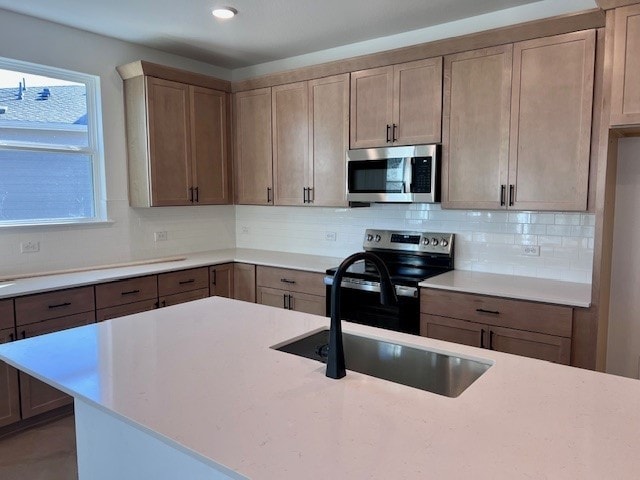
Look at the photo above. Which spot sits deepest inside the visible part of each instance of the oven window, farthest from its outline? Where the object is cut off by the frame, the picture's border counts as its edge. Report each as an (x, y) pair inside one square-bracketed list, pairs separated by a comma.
[(377, 176)]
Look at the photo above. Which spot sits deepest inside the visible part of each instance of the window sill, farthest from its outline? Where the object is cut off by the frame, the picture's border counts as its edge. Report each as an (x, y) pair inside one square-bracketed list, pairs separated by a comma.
[(58, 223)]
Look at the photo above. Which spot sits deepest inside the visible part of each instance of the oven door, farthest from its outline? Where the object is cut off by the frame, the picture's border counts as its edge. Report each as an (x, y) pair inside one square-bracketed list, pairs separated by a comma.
[(364, 307)]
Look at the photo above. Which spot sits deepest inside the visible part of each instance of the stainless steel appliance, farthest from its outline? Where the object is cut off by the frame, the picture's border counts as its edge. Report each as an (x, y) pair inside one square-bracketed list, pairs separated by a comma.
[(410, 258), (394, 174)]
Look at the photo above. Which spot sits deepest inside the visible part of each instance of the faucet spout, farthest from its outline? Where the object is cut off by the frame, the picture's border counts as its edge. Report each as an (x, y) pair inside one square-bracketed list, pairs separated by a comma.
[(335, 360)]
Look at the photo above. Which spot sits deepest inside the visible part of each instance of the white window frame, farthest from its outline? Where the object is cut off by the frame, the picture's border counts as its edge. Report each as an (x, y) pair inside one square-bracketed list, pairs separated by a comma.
[(94, 148)]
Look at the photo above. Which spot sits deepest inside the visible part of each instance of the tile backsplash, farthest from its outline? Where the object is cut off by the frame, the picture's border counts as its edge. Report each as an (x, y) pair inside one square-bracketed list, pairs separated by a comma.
[(487, 241)]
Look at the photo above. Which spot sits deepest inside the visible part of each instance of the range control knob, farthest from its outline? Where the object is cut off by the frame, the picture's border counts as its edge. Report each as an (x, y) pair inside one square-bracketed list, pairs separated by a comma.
[(378, 238), (444, 242), (425, 241), (369, 237), (434, 242)]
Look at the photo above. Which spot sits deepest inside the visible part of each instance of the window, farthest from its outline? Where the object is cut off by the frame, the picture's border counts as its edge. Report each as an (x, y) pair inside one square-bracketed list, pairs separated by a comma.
[(51, 168)]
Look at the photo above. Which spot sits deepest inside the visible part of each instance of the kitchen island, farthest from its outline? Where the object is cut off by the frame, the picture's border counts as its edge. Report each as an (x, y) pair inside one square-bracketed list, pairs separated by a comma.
[(196, 391)]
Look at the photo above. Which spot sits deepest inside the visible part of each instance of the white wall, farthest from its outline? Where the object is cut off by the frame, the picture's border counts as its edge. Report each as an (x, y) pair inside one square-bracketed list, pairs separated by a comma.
[(130, 236), (623, 350), (486, 241)]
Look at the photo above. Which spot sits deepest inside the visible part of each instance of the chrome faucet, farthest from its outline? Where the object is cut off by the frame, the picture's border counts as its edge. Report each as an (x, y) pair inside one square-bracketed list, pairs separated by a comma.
[(335, 359)]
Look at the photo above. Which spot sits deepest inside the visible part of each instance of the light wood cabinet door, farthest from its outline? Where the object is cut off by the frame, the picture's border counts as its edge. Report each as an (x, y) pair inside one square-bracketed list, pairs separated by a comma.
[(252, 153), (329, 124), (169, 142), (452, 330), (59, 303), (35, 396), (530, 344), (221, 280), (371, 107), (183, 281), (303, 302), (209, 146), (625, 88), (126, 291), (475, 130), (272, 297), (417, 109), (551, 108), (290, 280), (291, 159), (9, 390), (244, 282)]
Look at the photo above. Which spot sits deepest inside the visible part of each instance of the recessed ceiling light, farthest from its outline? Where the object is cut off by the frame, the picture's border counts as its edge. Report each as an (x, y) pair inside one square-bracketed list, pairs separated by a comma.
[(224, 12)]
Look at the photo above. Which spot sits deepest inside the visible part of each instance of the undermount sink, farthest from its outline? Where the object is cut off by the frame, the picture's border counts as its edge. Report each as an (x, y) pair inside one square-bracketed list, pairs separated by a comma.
[(431, 371)]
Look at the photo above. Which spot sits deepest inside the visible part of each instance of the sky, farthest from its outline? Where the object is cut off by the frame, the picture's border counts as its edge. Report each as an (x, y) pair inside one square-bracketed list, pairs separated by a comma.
[(10, 78)]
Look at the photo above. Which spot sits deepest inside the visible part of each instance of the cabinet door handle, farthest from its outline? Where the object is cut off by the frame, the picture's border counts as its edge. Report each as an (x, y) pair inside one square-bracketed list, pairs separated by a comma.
[(388, 133), (286, 280), (163, 303), (290, 302), (60, 305), (512, 189), (394, 137), (268, 194), (130, 292), (197, 200), (490, 339), (213, 280), (184, 282), (23, 334), (191, 194), (492, 312), (309, 195), (482, 338), (284, 301), (503, 194), (304, 195)]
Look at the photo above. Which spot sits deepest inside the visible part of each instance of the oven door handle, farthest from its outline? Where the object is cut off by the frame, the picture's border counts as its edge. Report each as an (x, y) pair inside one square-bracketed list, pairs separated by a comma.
[(401, 290)]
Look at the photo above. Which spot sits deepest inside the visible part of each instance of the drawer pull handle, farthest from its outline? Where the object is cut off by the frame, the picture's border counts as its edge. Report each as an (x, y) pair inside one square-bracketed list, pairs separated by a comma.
[(184, 282), (492, 312), (490, 339), (23, 334), (60, 305), (285, 280), (130, 292), (215, 277), (284, 301), (290, 302), (482, 338)]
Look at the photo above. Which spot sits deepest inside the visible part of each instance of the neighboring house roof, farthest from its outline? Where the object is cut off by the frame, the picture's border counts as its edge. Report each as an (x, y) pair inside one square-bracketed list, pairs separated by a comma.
[(64, 104)]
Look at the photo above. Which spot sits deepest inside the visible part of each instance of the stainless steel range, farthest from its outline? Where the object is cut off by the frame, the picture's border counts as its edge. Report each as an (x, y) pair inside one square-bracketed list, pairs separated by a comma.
[(410, 257)]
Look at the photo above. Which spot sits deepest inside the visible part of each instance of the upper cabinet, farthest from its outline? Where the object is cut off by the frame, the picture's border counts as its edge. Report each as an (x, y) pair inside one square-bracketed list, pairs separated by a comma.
[(253, 156), (177, 138), (397, 105), (305, 127), (625, 89), (517, 125)]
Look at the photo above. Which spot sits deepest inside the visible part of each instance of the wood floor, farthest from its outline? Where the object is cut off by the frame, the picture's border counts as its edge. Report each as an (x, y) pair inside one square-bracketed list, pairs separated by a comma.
[(45, 452)]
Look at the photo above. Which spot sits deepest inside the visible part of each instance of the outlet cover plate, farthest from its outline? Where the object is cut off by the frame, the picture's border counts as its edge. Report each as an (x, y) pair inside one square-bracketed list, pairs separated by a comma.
[(29, 247), (160, 236), (531, 250)]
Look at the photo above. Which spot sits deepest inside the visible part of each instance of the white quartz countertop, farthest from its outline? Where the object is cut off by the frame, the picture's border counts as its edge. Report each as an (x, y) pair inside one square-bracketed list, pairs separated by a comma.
[(202, 377), (511, 286), (295, 261)]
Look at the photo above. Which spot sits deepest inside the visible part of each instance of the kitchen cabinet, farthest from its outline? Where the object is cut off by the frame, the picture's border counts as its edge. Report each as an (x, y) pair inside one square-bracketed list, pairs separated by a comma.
[(126, 297), (221, 280), (397, 104), (519, 327), (177, 141), (35, 396), (310, 137), (253, 147), (9, 390), (183, 286), (244, 282), (475, 127), (539, 160), (625, 88), (291, 289)]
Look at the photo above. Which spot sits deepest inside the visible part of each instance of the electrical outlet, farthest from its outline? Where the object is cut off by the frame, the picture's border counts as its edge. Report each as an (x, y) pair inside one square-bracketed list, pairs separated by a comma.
[(160, 236), (29, 247), (531, 250), (330, 236), (244, 230)]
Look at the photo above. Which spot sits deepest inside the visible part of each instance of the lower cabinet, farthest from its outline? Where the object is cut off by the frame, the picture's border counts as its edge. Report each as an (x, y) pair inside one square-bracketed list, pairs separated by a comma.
[(530, 329), (291, 289), (244, 282), (221, 280), (126, 297), (9, 390), (35, 396)]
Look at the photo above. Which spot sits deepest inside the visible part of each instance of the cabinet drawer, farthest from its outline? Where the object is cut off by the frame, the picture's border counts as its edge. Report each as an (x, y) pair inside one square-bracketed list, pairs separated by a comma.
[(502, 312), (56, 324), (177, 298), (6, 314), (126, 291), (291, 280), (183, 281), (62, 303), (128, 309)]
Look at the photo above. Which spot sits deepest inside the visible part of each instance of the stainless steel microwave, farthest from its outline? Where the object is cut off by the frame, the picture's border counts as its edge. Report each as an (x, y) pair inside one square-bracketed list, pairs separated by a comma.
[(394, 174)]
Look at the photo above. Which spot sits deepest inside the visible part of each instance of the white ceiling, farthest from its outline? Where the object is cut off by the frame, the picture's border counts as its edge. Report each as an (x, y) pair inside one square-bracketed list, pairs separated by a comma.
[(263, 31)]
